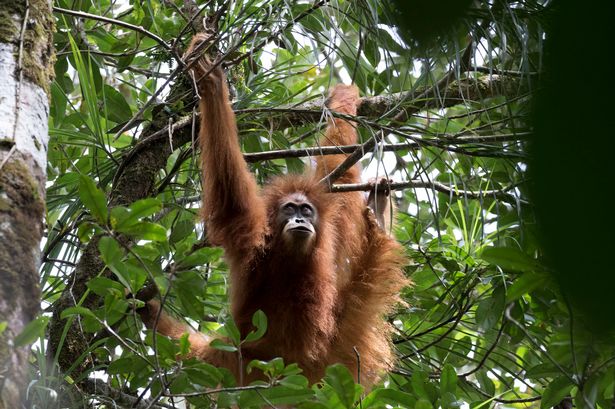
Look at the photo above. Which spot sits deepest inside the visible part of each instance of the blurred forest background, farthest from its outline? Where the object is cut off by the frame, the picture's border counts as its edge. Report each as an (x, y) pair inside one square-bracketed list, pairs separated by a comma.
[(449, 101)]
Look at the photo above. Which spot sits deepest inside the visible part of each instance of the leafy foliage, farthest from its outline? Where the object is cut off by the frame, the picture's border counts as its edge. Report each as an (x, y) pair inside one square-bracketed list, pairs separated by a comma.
[(484, 324)]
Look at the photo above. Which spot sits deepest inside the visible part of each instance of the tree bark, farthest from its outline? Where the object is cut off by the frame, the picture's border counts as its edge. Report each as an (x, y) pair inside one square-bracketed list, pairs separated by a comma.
[(26, 66)]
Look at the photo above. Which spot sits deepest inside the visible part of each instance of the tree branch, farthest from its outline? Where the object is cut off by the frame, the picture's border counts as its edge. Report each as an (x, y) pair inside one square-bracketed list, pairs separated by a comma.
[(370, 107), (375, 107), (437, 186), (413, 145), (351, 160)]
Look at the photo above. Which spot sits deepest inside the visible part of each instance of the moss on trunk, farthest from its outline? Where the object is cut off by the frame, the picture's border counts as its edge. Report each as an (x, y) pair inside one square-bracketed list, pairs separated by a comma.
[(21, 228), (37, 56)]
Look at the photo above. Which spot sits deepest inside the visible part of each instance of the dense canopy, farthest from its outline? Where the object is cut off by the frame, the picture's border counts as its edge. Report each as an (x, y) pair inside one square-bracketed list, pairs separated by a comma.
[(445, 115)]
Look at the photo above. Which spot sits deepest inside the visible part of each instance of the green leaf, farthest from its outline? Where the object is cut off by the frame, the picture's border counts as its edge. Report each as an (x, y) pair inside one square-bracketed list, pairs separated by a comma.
[(297, 382), (199, 257), (167, 350), (204, 374), (70, 311), (131, 272), (372, 51), (58, 103), (270, 368), (525, 284), (217, 343), (93, 198), (557, 390), (123, 218), (449, 401), (418, 381), (448, 379), (485, 382), (181, 230), (542, 370), (69, 180), (294, 165), (338, 377), (291, 369), (110, 251), (388, 42), (230, 330), (510, 259), (145, 231), (383, 397), (490, 310), (114, 308), (33, 330), (118, 215), (121, 366), (587, 398), (423, 404), (103, 286), (116, 107), (184, 344), (259, 319), (277, 396), (89, 80)]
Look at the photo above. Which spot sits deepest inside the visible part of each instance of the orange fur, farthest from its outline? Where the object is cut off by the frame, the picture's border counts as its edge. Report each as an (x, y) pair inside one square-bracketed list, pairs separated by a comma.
[(319, 307)]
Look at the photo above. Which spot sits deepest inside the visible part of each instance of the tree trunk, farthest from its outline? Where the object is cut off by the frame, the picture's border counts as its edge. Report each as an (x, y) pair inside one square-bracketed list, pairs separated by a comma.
[(26, 67)]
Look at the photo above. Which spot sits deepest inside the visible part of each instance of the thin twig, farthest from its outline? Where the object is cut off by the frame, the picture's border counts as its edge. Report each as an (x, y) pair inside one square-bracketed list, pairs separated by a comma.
[(440, 187), (351, 160), (219, 390), (490, 70), (8, 156)]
